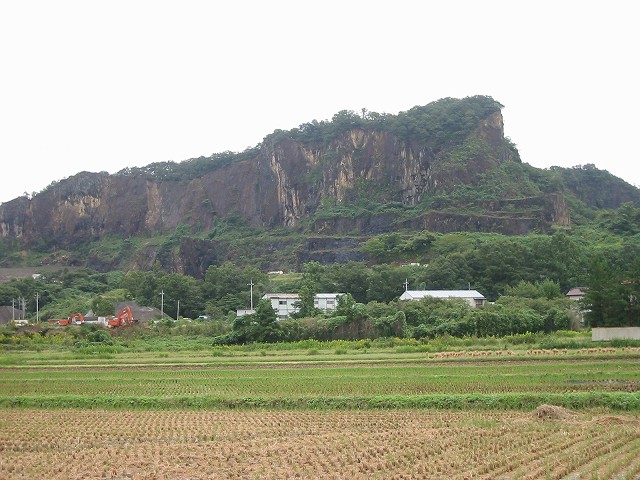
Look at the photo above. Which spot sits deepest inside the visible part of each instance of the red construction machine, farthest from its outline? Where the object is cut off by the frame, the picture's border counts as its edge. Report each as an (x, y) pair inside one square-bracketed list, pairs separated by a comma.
[(122, 319), (73, 319)]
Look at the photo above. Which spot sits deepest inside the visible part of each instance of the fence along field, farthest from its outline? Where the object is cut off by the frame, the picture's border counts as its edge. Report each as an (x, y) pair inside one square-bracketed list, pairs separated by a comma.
[(522, 416)]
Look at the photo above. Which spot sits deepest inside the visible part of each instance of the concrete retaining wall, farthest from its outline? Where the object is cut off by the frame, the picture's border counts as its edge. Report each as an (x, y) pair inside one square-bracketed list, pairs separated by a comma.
[(609, 333)]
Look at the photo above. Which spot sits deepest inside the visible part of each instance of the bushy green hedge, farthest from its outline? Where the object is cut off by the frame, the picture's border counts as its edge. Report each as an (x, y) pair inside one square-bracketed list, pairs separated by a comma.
[(620, 401)]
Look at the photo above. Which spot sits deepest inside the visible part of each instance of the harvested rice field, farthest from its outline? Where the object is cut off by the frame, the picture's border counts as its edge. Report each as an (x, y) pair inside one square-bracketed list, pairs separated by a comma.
[(530, 415), (546, 443)]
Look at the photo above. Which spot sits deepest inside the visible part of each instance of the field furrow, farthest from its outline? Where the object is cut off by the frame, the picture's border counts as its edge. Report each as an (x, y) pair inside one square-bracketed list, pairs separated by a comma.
[(80, 444), (527, 418)]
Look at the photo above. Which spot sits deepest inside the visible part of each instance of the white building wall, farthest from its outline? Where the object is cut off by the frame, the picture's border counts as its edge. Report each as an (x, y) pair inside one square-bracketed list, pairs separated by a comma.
[(284, 306), (610, 333), (283, 303), (327, 302)]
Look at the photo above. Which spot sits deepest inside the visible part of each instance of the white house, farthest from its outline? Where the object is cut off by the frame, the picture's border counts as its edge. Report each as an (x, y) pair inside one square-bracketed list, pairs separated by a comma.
[(327, 302), (472, 297), (283, 303)]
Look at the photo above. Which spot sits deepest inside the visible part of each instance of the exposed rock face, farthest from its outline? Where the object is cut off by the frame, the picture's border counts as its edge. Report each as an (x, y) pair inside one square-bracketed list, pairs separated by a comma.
[(330, 250), (13, 215), (280, 186), (525, 215), (283, 183)]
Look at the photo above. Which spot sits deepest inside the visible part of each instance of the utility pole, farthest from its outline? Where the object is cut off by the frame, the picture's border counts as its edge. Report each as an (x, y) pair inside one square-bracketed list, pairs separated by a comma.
[(178, 312), (162, 304), (406, 284), (13, 309), (251, 290), (37, 307)]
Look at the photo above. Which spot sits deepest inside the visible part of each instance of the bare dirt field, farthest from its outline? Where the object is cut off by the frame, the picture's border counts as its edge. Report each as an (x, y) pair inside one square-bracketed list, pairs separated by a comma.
[(7, 274), (548, 443)]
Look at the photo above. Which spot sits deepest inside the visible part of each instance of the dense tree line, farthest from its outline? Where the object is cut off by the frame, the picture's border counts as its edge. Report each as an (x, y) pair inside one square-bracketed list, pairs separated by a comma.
[(520, 274), (527, 308), (525, 278)]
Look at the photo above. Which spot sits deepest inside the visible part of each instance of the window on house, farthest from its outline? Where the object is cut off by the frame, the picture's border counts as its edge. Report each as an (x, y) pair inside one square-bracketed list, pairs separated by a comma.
[(282, 302)]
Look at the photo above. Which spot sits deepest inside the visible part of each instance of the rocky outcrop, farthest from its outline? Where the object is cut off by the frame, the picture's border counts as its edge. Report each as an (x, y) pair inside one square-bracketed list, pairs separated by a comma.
[(598, 188), (509, 217), (286, 183), (329, 250)]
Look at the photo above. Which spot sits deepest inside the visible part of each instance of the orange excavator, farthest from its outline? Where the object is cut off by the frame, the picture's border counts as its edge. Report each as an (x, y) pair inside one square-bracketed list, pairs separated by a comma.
[(73, 319), (122, 319)]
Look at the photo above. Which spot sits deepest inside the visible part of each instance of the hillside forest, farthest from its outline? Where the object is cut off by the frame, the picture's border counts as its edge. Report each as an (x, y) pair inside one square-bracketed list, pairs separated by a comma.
[(472, 187), (524, 278)]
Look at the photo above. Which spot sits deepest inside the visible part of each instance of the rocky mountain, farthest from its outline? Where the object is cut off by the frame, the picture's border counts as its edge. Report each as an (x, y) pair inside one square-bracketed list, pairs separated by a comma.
[(443, 167)]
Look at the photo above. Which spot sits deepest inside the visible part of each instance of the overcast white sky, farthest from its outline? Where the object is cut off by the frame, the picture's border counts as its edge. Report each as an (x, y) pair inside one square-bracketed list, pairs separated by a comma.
[(103, 85)]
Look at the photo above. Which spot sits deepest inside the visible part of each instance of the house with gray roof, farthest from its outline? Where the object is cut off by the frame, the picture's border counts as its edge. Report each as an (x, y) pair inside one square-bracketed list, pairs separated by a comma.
[(472, 297)]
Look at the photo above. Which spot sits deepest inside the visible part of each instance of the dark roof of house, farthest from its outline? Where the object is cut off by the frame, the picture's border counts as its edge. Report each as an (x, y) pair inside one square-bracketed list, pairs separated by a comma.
[(576, 292)]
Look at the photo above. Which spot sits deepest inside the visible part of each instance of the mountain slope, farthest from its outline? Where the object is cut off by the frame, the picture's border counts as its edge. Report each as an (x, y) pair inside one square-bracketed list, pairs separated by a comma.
[(442, 167)]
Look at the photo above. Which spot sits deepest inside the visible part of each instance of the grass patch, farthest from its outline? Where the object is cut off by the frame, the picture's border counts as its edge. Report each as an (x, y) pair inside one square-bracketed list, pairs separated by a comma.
[(617, 401)]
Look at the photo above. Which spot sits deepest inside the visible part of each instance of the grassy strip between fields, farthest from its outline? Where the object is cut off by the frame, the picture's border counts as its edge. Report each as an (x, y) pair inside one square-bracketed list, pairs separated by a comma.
[(619, 401)]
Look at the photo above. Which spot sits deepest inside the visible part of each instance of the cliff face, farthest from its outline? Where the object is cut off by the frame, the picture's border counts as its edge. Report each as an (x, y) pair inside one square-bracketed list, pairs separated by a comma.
[(286, 183)]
